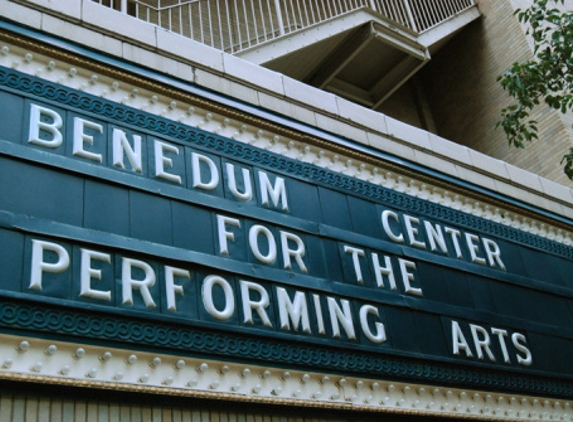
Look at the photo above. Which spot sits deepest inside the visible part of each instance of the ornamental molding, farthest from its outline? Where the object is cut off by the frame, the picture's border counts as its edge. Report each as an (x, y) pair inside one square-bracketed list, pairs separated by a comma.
[(89, 366), (174, 339)]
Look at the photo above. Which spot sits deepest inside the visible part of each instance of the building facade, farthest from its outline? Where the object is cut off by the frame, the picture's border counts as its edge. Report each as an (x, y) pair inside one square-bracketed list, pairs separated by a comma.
[(292, 211)]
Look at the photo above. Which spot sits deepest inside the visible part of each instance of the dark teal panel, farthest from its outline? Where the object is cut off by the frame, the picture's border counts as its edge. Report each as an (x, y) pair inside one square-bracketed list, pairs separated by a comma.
[(192, 228), (335, 210), (106, 208), (150, 218), (11, 260), (41, 192), (445, 285), (303, 200), (12, 117)]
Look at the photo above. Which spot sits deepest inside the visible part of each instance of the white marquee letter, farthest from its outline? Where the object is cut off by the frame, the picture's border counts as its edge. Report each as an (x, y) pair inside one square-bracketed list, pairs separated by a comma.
[(399, 238), (380, 336), (171, 288), (342, 315), (519, 341), (408, 277), (36, 125), (459, 341), (80, 137), (128, 283), (356, 254), (387, 271), (223, 234), (295, 310), (297, 253), (121, 146), (87, 273), (161, 161), (277, 193), (254, 232), (207, 293), (248, 193), (482, 343), (39, 265), (196, 160), (257, 305), (493, 253), (473, 246)]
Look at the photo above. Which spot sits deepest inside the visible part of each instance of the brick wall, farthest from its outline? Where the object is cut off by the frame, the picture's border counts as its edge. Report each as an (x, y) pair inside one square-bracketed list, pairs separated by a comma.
[(466, 99)]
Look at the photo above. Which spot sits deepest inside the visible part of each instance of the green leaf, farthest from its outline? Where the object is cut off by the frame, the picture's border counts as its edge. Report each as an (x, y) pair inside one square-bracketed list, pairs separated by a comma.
[(546, 79)]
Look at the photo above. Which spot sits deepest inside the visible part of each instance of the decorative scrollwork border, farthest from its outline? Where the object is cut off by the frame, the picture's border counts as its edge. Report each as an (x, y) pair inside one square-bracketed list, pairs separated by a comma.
[(50, 320)]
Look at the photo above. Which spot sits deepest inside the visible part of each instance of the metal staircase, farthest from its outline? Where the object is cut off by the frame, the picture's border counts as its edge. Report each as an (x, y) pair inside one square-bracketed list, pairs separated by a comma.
[(363, 50)]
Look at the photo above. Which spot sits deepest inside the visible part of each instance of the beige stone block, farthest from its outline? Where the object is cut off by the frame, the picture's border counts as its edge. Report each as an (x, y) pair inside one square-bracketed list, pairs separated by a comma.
[(71, 8), (226, 86), (435, 163), (363, 116), (82, 35), (489, 165), (252, 74), (557, 190), (340, 128), (514, 192), (197, 54), (275, 104), (303, 114), (390, 146), (408, 133), (21, 14), (158, 62), (475, 177), (446, 148), (310, 96), (523, 178), (547, 204), (567, 211), (118, 23)]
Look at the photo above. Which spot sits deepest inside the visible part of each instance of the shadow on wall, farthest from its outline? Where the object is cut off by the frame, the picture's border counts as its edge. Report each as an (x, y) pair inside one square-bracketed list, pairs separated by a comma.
[(461, 87)]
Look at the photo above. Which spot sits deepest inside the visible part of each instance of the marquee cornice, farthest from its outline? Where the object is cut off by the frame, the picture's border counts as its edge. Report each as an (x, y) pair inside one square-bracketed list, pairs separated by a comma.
[(84, 365)]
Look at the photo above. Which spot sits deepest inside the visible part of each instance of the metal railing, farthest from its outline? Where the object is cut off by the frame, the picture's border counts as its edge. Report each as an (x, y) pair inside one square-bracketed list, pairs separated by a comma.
[(234, 25)]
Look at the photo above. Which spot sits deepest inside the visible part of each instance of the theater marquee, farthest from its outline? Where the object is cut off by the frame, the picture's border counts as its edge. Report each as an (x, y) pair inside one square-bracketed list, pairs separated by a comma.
[(111, 217)]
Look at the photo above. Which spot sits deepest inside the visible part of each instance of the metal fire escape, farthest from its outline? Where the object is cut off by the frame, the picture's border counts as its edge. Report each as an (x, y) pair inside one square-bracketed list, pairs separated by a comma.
[(363, 50)]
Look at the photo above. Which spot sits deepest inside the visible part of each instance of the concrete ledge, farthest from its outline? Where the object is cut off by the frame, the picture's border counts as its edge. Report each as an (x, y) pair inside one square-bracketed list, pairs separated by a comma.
[(82, 35), (382, 143), (487, 164), (446, 148), (248, 72), (310, 96), (169, 66), (71, 8), (188, 50), (437, 163), (226, 86), (362, 116), (21, 14), (335, 126), (124, 26), (410, 134)]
